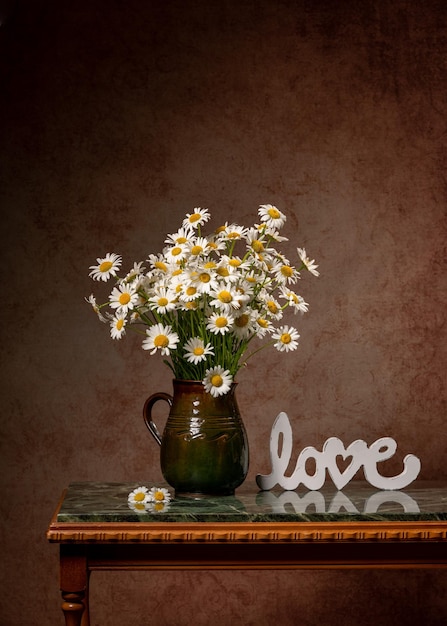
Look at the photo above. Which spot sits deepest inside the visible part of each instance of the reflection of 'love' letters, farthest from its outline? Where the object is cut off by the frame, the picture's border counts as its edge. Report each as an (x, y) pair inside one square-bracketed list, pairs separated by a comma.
[(358, 451)]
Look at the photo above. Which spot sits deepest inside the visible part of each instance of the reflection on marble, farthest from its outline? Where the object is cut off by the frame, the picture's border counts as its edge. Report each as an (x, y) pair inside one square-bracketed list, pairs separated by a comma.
[(102, 502)]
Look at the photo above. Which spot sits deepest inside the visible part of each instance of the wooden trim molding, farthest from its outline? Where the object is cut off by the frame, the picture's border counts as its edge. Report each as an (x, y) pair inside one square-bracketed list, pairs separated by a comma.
[(235, 532)]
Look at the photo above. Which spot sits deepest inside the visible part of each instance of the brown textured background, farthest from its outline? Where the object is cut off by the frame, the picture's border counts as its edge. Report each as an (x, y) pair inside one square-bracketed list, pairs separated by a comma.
[(119, 117)]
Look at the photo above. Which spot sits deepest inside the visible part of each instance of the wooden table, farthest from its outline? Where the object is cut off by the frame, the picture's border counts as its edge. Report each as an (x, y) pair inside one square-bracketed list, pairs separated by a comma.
[(357, 528)]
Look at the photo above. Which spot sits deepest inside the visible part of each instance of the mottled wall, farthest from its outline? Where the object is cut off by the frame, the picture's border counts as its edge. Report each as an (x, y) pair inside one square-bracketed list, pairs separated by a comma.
[(119, 117)]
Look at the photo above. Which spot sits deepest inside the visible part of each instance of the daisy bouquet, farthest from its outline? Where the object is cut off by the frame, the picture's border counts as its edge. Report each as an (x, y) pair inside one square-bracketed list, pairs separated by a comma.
[(204, 299)]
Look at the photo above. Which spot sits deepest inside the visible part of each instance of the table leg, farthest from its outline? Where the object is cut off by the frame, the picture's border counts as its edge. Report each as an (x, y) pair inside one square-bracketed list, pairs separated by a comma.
[(74, 585)]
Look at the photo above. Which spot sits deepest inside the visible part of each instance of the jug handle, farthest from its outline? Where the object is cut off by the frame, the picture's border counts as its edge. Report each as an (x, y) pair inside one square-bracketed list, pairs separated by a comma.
[(147, 413)]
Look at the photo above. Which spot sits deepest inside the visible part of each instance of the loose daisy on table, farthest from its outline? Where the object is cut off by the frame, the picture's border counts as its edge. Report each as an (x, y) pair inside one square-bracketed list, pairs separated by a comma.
[(140, 495), (155, 499), (207, 299)]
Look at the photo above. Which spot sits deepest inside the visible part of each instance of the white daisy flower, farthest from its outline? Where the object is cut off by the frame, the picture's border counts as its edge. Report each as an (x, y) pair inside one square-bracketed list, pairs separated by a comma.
[(162, 300), (286, 338), (182, 236), (198, 246), (262, 327), (273, 308), (225, 298), (160, 495), (271, 216), (161, 338), (106, 268), (123, 298), (176, 253), (203, 279), (220, 323), (284, 272), (217, 381), (97, 309), (140, 495), (243, 325), (135, 272), (294, 300), (197, 218), (308, 264), (196, 351), (231, 232), (118, 326)]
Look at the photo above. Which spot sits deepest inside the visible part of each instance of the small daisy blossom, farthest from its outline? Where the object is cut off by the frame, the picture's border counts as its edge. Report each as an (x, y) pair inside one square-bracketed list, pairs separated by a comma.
[(118, 326), (225, 298), (217, 381), (92, 300), (106, 268), (140, 495), (197, 218), (294, 300), (123, 298), (308, 264), (161, 338), (271, 216), (159, 494), (162, 300), (286, 338), (196, 351), (220, 323)]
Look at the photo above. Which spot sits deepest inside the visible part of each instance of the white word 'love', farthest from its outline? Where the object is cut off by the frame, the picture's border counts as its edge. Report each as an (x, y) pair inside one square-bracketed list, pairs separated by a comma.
[(358, 451)]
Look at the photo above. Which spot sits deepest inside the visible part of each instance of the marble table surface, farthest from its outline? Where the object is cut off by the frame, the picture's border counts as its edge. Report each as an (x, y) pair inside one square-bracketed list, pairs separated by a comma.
[(107, 502)]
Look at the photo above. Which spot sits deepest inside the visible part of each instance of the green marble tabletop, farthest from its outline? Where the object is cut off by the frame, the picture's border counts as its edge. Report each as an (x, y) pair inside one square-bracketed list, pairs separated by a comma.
[(107, 502)]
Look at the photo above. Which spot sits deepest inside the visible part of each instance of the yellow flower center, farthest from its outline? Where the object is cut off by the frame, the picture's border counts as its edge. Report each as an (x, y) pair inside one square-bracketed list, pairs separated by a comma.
[(194, 217), (222, 271), (119, 324), (234, 262), (105, 266), (159, 496), (191, 306), (139, 497), (159, 265), (219, 229), (234, 235), (257, 245), (161, 341), (262, 322), (242, 320), (225, 296), (221, 322), (162, 301), (181, 240), (191, 291), (287, 271), (196, 250), (124, 298), (210, 265), (216, 380), (272, 307), (177, 272), (204, 277), (198, 351), (274, 213), (286, 338), (176, 251)]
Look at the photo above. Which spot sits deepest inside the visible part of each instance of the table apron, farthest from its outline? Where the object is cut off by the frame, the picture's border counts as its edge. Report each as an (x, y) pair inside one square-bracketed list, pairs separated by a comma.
[(311, 555)]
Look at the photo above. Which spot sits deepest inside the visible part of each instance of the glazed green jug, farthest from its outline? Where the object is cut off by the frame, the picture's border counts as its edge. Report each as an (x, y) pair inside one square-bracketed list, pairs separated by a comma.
[(204, 446)]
